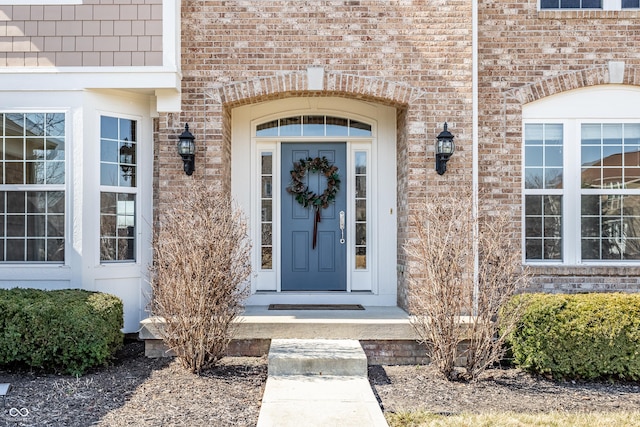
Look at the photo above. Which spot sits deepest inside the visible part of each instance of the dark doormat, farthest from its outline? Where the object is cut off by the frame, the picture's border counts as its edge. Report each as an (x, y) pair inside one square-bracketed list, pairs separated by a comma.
[(315, 307)]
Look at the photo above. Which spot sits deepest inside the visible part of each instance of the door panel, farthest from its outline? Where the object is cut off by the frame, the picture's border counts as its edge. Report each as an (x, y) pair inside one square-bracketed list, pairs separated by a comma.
[(300, 254), (303, 267)]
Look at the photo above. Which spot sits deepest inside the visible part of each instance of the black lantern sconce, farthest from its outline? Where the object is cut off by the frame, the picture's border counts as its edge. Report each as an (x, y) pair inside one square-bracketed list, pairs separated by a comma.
[(187, 150), (444, 149)]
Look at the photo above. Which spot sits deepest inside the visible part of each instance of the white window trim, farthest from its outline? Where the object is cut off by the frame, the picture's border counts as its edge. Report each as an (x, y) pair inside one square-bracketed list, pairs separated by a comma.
[(115, 189), (615, 5), (572, 193), (361, 276), (65, 188)]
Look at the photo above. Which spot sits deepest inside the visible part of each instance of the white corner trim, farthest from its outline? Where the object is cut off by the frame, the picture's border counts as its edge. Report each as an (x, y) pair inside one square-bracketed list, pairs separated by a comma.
[(616, 71), (171, 36), (315, 78), (168, 101)]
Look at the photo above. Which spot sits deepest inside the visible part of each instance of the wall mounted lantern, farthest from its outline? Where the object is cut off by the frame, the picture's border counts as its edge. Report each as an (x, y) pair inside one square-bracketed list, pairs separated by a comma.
[(187, 150), (444, 149)]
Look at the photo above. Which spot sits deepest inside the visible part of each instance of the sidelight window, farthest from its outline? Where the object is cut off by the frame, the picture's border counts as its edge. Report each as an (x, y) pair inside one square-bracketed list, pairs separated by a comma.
[(361, 209), (266, 206)]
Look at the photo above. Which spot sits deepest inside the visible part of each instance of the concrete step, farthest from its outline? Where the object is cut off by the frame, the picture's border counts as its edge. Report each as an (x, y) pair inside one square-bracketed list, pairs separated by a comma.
[(373, 323), (258, 322), (317, 357), (319, 401), (318, 383)]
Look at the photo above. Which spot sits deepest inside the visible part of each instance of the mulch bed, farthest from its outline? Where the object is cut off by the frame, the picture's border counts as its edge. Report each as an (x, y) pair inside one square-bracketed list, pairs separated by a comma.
[(137, 391), (410, 388)]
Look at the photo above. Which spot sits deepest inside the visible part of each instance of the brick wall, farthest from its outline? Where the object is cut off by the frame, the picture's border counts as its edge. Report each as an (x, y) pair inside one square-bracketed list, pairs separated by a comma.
[(155, 348), (526, 55), (95, 33), (379, 352), (413, 55), (394, 352)]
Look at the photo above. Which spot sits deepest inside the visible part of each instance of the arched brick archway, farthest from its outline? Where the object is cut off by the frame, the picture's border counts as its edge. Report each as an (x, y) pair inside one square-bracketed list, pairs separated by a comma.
[(297, 82), (499, 167), (414, 122), (570, 80)]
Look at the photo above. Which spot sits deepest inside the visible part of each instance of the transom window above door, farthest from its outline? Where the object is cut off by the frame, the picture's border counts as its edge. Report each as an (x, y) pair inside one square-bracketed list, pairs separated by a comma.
[(314, 126)]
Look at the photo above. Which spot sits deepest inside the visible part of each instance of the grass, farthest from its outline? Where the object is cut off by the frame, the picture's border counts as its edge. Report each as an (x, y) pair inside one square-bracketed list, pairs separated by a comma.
[(509, 419)]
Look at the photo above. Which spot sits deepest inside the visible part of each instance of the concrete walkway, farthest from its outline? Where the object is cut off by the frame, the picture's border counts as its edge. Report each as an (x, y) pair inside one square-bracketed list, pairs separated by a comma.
[(318, 383)]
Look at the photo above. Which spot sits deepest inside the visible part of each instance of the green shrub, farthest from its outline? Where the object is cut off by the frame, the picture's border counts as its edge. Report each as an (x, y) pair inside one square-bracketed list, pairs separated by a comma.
[(585, 336), (65, 330)]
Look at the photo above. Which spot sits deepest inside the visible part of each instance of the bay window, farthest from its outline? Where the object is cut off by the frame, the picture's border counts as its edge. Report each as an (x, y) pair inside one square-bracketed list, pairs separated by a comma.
[(118, 189), (32, 187)]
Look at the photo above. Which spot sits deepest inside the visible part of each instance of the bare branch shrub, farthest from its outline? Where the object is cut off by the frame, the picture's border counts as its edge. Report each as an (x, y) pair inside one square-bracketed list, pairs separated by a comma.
[(202, 260), (455, 316)]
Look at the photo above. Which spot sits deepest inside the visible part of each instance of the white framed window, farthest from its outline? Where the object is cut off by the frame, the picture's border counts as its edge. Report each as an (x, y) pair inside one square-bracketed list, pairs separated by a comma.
[(582, 207), (312, 126), (543, 190), (266, 210), (118, 188), (610, 191), (362, 198), (588, 4), (32, 187), (571, 4)]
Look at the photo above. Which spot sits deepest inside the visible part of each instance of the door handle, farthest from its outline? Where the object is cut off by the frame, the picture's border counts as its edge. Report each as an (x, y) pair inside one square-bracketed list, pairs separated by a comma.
[(342, 227)]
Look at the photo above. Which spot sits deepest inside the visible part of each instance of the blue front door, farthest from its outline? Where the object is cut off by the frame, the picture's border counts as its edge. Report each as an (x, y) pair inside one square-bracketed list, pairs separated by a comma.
[(305, 268)]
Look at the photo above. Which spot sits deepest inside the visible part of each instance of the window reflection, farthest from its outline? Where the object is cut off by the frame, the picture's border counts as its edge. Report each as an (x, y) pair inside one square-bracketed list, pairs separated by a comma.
[(610, 156), (337, 126), (313, 126), (33, 151), (543, 156), (610, 227), (117, 226), (543, 227), (34, 224), (118, 168), (118, 146)]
